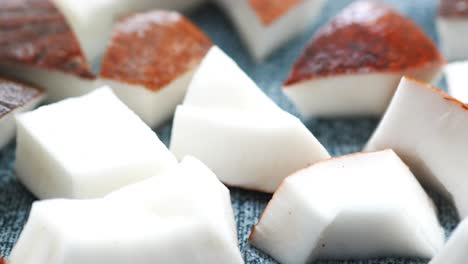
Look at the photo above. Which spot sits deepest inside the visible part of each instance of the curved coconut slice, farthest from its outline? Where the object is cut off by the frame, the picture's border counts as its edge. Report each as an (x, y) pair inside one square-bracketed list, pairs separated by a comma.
[(15, 98), (353, 64), (454, 251), (38, 46), (150, 62), (421, 123), (137, 224), (457, 81), (237, 131), (452, 22), (265, 25), (320, 211), (92, 20), (86, 147)]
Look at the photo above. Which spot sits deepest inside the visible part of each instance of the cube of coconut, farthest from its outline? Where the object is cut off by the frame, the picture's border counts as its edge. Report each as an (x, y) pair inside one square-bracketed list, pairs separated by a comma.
[(452, 25), (346, 208), (265, 25), (425, 127), (353, 64), (179, 217), (86, 147), (150, 61), (237, 131), (15, 98)]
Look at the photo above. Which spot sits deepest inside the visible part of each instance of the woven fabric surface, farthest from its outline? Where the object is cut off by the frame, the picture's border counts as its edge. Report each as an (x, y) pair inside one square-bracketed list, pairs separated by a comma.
[(339, 136)]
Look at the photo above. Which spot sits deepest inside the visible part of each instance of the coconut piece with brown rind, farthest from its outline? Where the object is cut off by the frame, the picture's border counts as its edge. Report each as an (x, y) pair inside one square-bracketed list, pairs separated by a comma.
[(353, 64), (150, 61)]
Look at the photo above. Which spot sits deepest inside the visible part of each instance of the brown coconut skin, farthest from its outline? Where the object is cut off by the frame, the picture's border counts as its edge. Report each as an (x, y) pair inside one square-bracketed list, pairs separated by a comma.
[(35, 33), (15, 94), (153, 49), (268, 11), (453, 8), (366, 37)]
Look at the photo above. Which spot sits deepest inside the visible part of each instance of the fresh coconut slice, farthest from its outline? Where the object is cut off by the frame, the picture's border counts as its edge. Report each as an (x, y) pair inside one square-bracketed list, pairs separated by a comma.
[(452, 24), (15, 98), (39, 47), (92, 20), (421, 123), (346, 208), (457, 80), (354, 63), (86, 147), (181, 217), (265, 25), (237, 131), (454, 251), (151, 60)]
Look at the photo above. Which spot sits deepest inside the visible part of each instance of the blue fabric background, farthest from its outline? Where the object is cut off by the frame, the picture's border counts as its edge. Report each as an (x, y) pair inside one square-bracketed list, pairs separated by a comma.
[(339, 136)]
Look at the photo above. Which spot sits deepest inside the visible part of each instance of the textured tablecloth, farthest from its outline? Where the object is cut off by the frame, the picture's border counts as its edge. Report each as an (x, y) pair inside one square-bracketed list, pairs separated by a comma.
[(338, 136)]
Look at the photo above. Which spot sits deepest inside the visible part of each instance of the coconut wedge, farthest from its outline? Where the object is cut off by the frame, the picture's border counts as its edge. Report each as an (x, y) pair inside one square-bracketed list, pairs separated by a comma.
[(421, 123), (38, 46), (15, 98), (454, 251), (346, 208), (150, 61), (452, 24), (179, 217), (228, 123), (265, 25), (92, 20), (86, 147), (457, 80), (353, 64)]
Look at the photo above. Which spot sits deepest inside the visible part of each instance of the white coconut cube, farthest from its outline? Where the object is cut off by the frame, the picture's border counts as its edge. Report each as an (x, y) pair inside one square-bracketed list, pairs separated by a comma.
[(86, 147), (426, 129), (237, 131), (266, 25), (353, 207), (179, 217), (457, 80), (454, 252)]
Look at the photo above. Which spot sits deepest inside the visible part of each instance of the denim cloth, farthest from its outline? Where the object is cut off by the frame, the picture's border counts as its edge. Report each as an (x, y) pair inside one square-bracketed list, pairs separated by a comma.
[(338, 136)]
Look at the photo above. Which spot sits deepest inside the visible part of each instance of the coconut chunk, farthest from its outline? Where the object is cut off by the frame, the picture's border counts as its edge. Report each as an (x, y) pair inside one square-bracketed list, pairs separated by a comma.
[(237, 131), (457, 81), (182, 216), (38, 46), (452, 22), (421, 123), (353, 64), (15, 98), (86, 147), (454, 251), (265, 25), (150, 61), (346, 208), (92, 20)]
